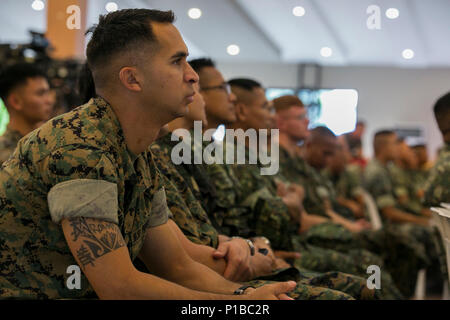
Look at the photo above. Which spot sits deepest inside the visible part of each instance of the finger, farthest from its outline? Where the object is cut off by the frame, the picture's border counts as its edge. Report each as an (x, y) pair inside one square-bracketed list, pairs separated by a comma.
[(231, 269), (287, 254), (284, 287), (284, 296), (219, 254)]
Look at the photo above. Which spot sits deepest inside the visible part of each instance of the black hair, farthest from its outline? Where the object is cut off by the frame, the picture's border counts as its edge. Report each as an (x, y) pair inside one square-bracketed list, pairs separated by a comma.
[(199, 64), (121, 31), (16, 75), (246, 84), (384, 132), (442, 106), (323, 131)]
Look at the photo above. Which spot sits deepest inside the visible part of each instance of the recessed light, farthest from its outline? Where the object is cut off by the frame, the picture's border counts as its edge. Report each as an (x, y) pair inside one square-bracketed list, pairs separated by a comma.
[(111, 7), (392, 13), (326, 52), (408, 54), (194, 13), (233, 49), (38, 5), (298, 11)]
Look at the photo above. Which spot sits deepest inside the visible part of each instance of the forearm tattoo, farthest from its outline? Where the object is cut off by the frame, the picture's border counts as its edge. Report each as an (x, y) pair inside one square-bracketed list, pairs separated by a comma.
[(97, 239)]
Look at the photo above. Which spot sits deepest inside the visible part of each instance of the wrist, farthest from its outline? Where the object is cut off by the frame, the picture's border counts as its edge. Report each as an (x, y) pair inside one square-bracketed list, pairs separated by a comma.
[(250, 244), (262, 240)]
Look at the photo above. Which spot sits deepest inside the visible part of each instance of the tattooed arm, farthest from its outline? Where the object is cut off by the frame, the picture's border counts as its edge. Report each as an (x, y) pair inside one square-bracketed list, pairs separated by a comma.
[(100, 250), (164, 254)]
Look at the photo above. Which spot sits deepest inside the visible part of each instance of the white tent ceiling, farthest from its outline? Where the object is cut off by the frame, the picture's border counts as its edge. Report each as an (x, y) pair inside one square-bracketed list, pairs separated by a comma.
[(267, 31)]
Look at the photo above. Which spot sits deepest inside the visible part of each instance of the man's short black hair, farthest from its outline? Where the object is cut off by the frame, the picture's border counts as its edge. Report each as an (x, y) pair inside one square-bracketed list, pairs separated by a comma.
[(121, 31), (322, 132), (244, 83), (16, 75), (379, 139), (384, 132), (442, 106), (199, 64)]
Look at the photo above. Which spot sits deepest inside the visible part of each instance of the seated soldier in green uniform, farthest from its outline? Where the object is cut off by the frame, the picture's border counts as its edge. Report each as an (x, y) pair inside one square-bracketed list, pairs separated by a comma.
[(437, 187), (379, 182), (402, 171), (346, 180), (26, 93), (83, 188), (270, 216), (384, 243), (187, 201), (423, 166)]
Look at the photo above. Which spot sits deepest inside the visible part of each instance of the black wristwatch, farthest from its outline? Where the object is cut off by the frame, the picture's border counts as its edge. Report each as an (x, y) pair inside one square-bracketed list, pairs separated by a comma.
[(241, 290)]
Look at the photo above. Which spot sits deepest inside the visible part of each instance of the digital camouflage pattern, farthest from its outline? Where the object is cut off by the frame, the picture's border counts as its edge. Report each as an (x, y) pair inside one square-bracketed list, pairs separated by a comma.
[(188, 212), (8, 142), (405, 189), (389, 243), (425, 240), (437, 187), (315, 255), (377, 181), (189, 216), (86, 143), (348, 184)]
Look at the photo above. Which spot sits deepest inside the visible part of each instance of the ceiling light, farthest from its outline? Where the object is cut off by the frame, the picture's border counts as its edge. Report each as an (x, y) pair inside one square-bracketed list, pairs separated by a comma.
[(298, 11), (392, 13), (326, 52), (194, 13), (233, 50), (408, 54), (38, 5), (111, 7)]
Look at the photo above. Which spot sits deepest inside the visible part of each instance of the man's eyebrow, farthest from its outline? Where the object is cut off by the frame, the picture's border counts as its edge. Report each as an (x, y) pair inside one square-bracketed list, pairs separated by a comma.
[(180, 54)]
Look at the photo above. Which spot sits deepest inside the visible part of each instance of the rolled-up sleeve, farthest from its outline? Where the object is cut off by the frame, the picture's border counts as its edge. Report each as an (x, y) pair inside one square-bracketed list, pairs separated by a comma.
[(84, 198)]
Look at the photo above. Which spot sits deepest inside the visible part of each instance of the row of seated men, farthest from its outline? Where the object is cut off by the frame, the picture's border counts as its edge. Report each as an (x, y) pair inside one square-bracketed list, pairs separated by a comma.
[(98, 187)]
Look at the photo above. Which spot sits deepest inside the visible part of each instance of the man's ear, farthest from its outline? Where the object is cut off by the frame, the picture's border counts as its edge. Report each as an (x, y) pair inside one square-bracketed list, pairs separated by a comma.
[(129, 77), (14, 101), (241, 111)]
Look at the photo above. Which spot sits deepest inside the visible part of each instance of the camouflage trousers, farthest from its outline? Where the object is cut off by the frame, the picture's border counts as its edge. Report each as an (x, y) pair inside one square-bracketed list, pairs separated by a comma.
[(313, 285), (355, 262), (404, 249)]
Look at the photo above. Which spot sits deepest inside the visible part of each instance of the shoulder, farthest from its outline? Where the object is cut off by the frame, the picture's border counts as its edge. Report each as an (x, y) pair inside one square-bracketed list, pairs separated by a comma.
[(78, 131)]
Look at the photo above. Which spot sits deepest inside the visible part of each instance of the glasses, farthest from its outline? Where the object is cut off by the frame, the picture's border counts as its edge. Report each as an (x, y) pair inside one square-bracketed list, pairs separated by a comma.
[(224, 86)]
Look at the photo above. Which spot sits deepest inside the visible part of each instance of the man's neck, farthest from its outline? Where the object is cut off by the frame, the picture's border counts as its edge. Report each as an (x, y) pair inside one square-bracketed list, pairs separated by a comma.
[(180, 123), (140, 126), (288, 144), (21, 125)]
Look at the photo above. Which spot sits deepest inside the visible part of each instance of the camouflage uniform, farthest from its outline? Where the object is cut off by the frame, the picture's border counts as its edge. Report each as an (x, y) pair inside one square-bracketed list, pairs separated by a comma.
[(86, 143), (378, 181), (348, 184), (437, 187), (192, 219), (405, 189), (271, 219), (437, 191), (389, 243), (8, 142)]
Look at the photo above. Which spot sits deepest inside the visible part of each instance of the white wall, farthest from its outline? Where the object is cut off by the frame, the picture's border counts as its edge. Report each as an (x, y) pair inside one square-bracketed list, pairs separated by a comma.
[(388, 97)]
